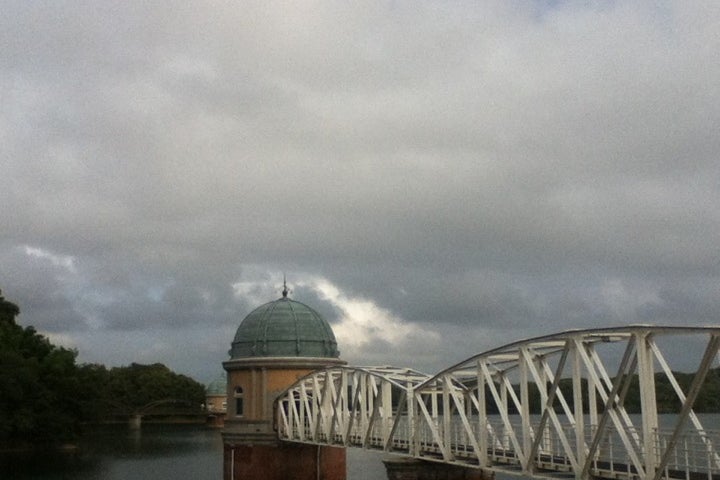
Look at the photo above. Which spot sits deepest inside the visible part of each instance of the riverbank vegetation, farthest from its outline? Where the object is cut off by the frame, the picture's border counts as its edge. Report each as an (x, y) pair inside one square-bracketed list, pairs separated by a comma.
[(46, 397), (137, 389)]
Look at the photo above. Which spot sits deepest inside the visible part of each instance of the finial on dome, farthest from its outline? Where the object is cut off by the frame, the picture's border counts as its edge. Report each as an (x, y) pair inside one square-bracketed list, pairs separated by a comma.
[(285, 289)]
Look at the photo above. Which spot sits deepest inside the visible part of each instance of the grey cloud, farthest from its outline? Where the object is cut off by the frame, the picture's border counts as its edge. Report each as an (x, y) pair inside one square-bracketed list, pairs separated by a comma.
[(530, 165)]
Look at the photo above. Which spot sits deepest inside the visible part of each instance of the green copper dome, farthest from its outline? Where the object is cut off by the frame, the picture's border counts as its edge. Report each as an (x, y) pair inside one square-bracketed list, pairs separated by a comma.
[(284, 328), (217, 386)]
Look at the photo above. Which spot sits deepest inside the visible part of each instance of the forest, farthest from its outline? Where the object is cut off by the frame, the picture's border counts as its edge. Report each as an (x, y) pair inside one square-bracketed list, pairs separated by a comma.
[(47, 397)]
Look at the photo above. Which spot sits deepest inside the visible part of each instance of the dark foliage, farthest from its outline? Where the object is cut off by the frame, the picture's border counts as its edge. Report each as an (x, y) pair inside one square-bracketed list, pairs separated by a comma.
[(38, 387), (144, 389), (45, 396)]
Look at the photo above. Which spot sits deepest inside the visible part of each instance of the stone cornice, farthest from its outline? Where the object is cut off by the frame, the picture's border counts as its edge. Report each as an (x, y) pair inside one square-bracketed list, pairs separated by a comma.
[(281, 363)]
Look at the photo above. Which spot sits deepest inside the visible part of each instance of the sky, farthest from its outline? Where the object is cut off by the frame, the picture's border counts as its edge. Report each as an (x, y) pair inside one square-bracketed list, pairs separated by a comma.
[(435, 178)]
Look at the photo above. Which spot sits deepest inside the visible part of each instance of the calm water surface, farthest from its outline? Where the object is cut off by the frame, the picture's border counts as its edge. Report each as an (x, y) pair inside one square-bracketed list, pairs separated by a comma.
[(157, 452), (170, 452)]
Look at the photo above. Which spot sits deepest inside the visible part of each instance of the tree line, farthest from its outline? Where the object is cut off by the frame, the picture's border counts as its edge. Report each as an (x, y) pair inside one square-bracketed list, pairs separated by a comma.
[(46, 396)]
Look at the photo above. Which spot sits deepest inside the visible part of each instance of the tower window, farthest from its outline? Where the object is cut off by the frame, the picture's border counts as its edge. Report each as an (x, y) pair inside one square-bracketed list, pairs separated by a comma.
[(239, 401)]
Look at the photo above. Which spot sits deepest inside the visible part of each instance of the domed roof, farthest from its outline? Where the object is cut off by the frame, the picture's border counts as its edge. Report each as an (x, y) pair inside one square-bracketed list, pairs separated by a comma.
[(217, 386), (284, 328)]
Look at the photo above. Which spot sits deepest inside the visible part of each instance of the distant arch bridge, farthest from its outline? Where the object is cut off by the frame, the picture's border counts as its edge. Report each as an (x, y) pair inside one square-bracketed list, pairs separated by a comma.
[(548, 407), (168, 407)]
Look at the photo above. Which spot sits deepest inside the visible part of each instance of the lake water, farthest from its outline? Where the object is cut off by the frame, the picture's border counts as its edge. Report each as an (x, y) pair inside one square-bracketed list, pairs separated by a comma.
[(170, 452), (157, 452)]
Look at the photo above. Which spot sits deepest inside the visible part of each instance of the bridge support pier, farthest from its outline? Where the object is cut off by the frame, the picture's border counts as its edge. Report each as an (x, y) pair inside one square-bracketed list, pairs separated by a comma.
[(405, 468), (135, 422), (283, 461)]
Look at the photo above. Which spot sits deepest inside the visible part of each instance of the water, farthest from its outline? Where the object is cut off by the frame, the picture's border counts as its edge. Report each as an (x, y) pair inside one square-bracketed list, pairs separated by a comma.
[(171, 452), (157, 452)]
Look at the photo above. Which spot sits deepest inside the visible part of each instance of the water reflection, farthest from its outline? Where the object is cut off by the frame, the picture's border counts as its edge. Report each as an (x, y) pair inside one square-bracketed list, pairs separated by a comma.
[(117, 453), (159, 452), (169, 452)]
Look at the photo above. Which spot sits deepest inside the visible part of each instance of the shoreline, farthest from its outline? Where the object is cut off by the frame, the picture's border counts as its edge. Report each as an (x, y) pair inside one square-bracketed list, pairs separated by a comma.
[(73, 446)]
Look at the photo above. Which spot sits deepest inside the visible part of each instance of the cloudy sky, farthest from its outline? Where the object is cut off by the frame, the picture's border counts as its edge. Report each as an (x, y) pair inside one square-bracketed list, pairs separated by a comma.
[(436, 178)]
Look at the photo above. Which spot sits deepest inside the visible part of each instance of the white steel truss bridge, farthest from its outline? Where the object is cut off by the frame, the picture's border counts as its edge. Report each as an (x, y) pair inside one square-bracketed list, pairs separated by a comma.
[(581, 403)]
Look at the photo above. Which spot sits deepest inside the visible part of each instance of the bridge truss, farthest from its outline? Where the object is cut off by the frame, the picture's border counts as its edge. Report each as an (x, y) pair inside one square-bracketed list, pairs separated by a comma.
[(548, 407)]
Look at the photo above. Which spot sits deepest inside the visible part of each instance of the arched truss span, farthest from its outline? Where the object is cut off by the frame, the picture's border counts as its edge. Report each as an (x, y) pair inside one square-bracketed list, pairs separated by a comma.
[(557, 405), (347, 406)]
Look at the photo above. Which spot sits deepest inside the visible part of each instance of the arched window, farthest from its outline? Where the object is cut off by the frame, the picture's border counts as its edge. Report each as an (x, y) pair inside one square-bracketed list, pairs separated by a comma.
[(238, 401)]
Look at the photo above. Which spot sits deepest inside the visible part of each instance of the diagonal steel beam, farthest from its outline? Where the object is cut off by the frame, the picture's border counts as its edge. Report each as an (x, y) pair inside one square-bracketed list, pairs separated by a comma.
[(608, 412), (502, 408), (710, 351), (548, 411)]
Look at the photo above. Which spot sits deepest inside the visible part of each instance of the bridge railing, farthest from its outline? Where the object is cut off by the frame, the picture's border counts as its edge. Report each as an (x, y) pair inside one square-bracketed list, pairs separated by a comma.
[(692, 452)]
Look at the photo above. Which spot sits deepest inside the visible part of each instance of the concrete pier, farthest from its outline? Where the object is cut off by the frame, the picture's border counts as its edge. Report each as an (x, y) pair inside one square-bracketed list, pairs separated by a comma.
[(135, 422), (284, 461), (404, 468)]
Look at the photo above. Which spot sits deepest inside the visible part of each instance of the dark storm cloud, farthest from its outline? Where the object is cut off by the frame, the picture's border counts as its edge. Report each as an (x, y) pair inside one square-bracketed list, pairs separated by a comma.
[(468, 173), (40, 285)]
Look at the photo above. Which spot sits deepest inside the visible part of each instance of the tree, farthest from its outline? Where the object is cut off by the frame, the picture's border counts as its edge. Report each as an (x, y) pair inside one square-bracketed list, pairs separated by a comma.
[(45, 395), (38, 386), (135, 386)]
